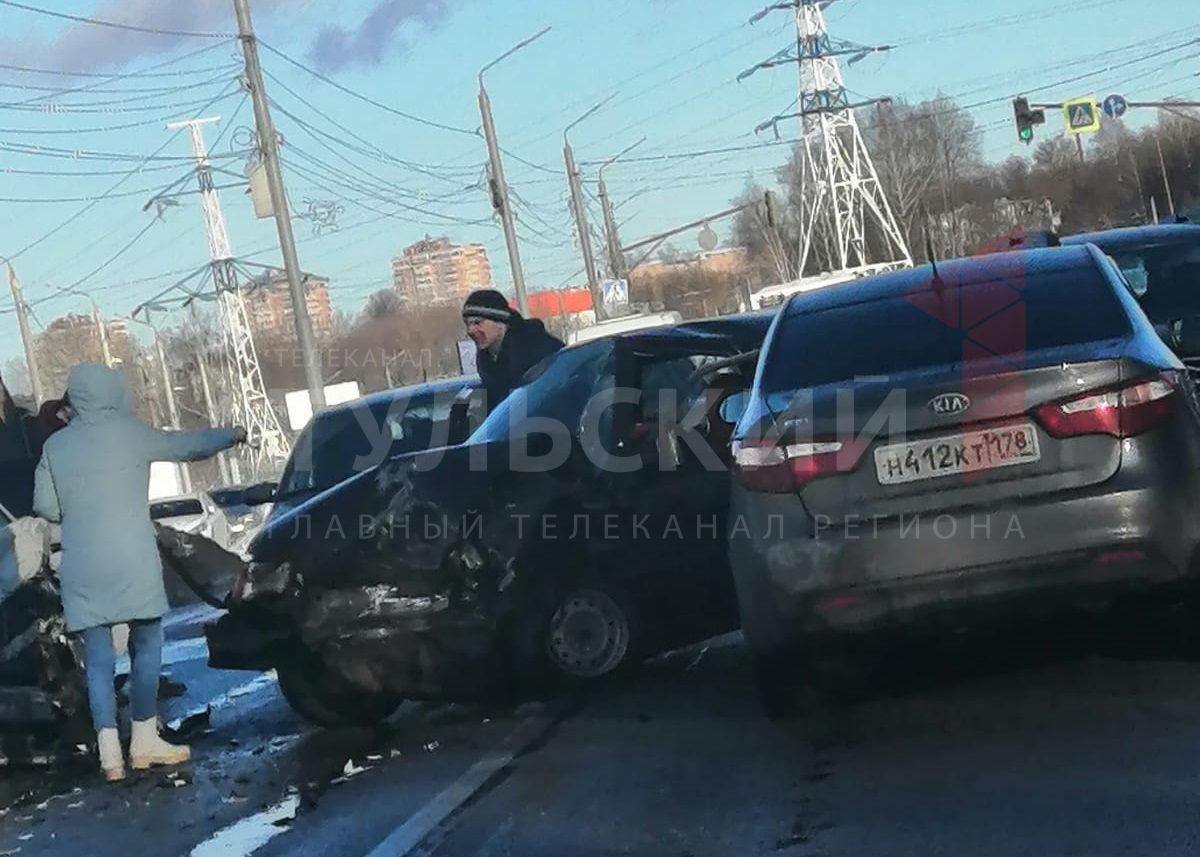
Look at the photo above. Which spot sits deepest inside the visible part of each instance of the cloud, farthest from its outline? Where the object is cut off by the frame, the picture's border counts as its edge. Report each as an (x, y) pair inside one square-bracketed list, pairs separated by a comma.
[(336, 48), (87, 47)]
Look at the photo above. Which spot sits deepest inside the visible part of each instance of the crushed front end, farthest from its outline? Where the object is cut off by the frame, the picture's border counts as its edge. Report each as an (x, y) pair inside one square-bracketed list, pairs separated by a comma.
[(385, 583)]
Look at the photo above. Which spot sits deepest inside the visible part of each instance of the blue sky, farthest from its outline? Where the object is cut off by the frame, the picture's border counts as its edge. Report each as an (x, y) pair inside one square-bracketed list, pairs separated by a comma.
[(667, 68)]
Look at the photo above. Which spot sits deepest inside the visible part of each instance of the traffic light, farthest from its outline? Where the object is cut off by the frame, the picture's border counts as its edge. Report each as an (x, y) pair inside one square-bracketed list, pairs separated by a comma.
[(1026, 119)]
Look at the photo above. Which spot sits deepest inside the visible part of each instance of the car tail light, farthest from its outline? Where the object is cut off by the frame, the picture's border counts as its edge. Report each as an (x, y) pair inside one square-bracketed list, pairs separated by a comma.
[(780, 468), (1123, 411)]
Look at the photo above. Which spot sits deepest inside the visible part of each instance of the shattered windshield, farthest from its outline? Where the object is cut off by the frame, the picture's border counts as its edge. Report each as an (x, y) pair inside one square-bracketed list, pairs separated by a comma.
[(559, 391), (1165, 278)]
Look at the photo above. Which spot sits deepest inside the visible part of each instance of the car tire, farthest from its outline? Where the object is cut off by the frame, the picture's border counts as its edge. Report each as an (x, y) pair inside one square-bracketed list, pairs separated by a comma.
[(326, 701), (580, 635)]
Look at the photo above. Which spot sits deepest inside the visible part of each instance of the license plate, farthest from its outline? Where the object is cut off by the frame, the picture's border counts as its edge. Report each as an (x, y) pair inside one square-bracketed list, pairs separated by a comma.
[(969, 452)]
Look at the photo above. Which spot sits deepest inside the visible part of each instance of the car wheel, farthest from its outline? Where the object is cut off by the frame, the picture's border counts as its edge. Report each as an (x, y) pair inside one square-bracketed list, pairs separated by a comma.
[(581, 635), (589, 635), (326, 701)]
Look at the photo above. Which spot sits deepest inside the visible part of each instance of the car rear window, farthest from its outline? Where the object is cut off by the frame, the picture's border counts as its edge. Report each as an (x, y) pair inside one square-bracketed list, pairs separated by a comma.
[(899, 333), (1165, 278), (175, 509)]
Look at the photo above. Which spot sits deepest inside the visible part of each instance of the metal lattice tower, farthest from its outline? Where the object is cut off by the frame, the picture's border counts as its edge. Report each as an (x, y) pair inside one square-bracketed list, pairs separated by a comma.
[(842, 186), (251, 407)]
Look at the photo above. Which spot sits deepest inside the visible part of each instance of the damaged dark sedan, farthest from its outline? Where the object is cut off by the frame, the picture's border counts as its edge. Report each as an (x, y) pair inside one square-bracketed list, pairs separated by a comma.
[(580, 529)]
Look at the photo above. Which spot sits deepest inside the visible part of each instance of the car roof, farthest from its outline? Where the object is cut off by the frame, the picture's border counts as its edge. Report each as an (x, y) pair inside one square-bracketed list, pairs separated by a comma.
[(1007, 266), (746, 329), (1132, 237), (386, 397)]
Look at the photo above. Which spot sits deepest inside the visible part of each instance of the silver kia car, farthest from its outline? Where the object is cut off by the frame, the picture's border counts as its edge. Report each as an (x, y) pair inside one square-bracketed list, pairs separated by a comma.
[(1000, 430)]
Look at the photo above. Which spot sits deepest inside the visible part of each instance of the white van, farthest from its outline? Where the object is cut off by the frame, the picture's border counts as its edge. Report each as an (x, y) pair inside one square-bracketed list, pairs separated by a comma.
[(624, 324)]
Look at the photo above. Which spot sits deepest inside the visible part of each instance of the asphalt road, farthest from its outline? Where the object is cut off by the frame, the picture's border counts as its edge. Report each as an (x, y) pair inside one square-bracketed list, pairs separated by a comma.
[(1003, 747)]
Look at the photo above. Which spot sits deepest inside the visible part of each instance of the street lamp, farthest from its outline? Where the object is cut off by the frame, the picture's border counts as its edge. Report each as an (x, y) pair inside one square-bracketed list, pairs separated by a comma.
[(499, 188), (615, 257), (101, 329), (580, 214), (22, 310)]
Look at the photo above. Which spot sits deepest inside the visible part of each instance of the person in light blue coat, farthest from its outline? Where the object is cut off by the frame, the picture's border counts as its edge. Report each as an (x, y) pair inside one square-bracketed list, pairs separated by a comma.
[(94, 479)]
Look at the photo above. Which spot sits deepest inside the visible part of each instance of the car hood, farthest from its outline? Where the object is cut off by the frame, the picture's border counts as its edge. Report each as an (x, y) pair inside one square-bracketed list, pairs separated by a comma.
[(407, 494), (426, 523)]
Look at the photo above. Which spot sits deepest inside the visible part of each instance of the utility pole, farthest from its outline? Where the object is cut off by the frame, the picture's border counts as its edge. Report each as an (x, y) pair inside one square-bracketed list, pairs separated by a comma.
[(497, 183), (22, 309), (172, 410), (103, 331), (616, 260), (1162, 163), (269, 148), (579, 212)]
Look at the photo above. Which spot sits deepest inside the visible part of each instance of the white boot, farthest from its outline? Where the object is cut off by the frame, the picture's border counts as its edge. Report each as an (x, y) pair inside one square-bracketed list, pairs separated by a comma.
[(112, 759), (146, 748)]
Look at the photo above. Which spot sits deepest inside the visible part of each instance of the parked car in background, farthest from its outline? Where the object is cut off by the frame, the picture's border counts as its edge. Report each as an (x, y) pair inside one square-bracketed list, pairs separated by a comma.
[(483, 572), (195, 513), (896, 470), (349, 438), (1162, 266)]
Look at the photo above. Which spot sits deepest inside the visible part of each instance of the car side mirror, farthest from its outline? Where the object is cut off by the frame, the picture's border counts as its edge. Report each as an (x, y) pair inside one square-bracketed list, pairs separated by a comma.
[(260, 494), (1185, 336), (734, 406)]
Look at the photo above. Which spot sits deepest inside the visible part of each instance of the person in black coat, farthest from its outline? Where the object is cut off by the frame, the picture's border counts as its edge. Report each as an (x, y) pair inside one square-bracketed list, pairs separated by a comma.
[(508, 343)]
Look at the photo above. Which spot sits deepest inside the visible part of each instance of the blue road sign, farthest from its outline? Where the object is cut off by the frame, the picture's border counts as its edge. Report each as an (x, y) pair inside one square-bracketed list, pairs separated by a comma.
[(1115, 106)]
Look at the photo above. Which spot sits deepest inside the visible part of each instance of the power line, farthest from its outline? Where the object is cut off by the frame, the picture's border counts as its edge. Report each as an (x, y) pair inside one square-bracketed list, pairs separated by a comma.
[(111, 190), (89, 154), (98, 22), (703, 153), (364, 98), (113, 258), (43, 105), (125, 75), (376, 152)]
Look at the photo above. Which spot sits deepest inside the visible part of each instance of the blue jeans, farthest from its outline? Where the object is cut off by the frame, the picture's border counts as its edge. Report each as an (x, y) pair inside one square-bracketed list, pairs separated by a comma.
[(145, 655)]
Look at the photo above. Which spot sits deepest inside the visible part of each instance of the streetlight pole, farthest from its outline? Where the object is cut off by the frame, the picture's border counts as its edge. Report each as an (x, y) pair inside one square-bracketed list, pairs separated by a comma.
[(616, 260), (498, 185), (579, 212), (98, 320), (22, 310)]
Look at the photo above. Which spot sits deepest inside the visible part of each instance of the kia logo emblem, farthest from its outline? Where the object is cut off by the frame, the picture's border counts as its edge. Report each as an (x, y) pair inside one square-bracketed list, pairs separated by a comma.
[(949, 403)]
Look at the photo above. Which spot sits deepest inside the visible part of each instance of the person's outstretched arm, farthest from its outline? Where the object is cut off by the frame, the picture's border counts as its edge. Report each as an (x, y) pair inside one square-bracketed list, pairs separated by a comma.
[(161, 445), (45, 495)]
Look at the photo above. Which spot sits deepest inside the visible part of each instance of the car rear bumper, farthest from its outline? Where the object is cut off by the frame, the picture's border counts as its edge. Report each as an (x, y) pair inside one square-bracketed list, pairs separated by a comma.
[(861, 575)]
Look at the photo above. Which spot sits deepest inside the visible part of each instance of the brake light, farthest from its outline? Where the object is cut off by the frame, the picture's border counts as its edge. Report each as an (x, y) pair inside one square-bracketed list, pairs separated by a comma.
[(776, 468), (1121, 411)]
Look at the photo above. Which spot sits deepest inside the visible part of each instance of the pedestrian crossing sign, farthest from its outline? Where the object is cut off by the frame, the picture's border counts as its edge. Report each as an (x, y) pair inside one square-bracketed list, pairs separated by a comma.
[(1081, 116)]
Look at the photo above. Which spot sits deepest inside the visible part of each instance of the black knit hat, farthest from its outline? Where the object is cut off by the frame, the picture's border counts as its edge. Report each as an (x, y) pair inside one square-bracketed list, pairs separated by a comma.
[(488, 303)]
